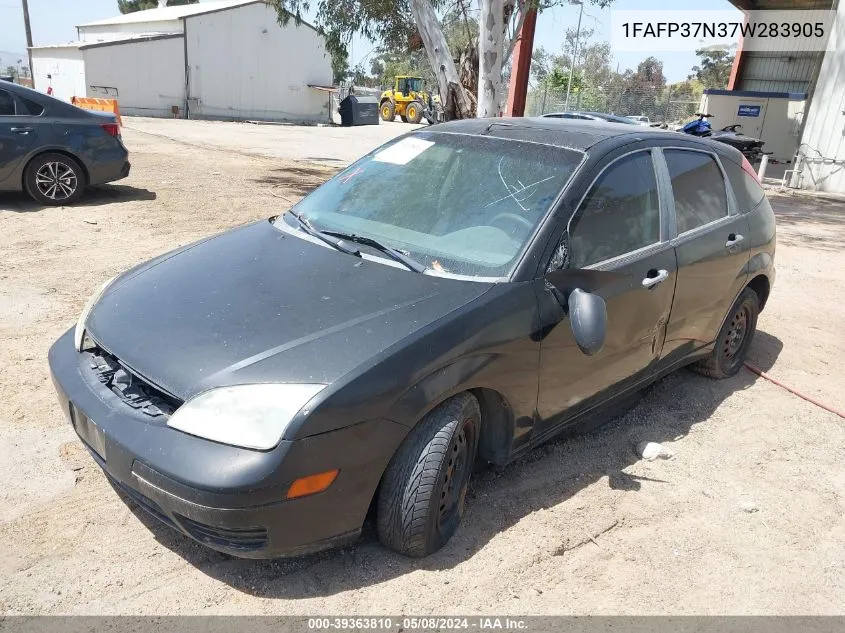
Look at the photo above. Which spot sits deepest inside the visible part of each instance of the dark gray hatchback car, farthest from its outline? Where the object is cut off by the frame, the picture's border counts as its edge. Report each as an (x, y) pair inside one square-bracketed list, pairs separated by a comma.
[(52, 149), (464, 292)]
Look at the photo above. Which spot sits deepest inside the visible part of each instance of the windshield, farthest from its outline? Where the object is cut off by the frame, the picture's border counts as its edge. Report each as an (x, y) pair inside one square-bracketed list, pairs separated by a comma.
[(460, 204), (415, 84)]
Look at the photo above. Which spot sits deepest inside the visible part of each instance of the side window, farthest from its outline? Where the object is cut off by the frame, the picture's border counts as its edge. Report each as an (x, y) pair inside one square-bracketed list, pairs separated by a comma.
[(29, 107), (698, 187), (620, 214), (747, 190), (7, 104)]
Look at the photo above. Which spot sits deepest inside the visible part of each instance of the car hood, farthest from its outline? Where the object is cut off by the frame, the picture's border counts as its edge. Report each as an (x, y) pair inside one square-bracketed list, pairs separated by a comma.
[(257, 304)]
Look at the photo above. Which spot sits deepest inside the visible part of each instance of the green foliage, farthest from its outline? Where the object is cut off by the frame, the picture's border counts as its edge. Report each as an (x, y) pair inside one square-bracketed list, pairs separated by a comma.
[(391, 24), (387, 65), (714, 67), (338, 20), (130, 6)]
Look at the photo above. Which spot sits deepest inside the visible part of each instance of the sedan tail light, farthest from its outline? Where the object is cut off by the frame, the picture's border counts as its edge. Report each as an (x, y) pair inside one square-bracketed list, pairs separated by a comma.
[(113, 129)]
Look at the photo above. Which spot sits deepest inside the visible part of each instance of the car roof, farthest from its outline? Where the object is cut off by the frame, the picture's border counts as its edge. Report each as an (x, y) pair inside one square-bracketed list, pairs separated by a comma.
[(574, 134), (51, 103)]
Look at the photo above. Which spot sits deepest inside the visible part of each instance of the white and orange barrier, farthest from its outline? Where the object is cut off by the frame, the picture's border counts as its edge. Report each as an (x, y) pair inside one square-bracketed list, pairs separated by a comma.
[(95, 103)]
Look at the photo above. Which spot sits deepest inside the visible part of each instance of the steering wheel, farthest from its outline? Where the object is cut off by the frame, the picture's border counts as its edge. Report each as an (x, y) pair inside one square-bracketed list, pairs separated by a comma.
[(510, 219)]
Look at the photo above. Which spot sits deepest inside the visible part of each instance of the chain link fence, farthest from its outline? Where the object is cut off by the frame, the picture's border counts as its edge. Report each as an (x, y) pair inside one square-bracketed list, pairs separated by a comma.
[(660, 105)]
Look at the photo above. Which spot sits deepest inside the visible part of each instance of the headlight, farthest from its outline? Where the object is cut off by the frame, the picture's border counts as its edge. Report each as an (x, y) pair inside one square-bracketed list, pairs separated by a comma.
[(79, 332), (250, 416)]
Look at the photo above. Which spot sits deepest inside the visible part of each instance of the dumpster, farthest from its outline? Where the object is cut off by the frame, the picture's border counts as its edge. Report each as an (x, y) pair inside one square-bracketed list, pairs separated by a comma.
[(359, 110)]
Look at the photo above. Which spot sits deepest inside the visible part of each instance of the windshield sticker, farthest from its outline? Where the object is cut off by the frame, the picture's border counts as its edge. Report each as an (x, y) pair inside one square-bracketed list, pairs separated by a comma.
[(403, 152)]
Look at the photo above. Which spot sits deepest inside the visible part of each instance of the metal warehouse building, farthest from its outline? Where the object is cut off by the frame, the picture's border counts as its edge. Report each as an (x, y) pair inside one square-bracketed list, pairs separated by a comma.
[(820, 135), (215, 60)]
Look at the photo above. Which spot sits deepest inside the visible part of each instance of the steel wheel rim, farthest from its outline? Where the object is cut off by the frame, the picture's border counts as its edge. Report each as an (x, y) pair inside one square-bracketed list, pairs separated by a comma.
[(412, 112), (458, 467), (737, 333), (56, 180)]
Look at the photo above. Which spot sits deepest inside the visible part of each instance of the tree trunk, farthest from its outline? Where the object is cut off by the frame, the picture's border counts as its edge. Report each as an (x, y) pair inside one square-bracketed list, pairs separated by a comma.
[(490, 51), (452, 95)]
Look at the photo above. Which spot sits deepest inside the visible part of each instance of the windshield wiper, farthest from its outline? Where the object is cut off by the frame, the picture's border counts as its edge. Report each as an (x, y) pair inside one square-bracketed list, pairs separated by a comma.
[(394, 254), (324, 236)]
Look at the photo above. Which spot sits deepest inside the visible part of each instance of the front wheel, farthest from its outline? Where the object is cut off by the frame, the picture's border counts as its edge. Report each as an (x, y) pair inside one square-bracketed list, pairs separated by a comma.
[(387, 110), (421, 501), (54, 179), (734, 339), (414, 112)]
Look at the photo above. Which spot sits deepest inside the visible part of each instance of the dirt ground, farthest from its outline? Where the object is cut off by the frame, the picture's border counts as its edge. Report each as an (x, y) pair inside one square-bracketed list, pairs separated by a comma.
[(747, 517)]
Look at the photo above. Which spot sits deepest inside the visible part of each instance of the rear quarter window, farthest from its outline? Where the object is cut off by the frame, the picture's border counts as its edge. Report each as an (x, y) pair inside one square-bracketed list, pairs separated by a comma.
[(29, 107), (748, 191), (7, 104)]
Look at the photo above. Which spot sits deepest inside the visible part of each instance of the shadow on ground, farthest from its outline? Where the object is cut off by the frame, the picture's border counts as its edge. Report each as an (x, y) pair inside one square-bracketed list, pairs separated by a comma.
[(297, 180), (810, 221), (545, 477), (94, 196)]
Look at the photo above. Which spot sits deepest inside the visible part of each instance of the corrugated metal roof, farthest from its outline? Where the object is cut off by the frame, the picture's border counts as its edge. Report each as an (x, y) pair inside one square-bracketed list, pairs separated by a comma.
[(169, 13), (140, 37)]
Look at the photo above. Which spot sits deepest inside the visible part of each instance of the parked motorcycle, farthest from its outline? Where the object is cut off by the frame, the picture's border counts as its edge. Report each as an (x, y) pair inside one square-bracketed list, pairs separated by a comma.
[(751, 148)]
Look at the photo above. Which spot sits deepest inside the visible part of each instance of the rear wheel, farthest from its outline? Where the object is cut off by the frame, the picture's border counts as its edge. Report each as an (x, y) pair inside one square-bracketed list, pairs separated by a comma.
[(421, 501), (54, 179), (414, 112), (734, 339), (387, 110)]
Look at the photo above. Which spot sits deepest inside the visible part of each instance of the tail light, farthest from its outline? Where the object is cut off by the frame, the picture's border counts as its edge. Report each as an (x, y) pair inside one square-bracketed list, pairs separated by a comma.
[(748, 169), (112, 129)]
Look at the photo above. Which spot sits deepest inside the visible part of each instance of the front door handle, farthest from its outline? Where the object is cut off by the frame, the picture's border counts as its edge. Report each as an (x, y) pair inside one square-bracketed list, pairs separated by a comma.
[(733, 240), (655, 277), (21, 130)]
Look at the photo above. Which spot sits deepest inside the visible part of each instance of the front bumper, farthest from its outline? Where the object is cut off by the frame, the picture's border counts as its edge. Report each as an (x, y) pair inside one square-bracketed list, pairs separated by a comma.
[(228, 498)]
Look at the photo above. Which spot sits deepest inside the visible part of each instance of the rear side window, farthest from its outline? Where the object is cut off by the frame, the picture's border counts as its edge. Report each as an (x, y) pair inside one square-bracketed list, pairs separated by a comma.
[(747, 190), (28, 107), (620, 214), (698, 187), (7, 104)]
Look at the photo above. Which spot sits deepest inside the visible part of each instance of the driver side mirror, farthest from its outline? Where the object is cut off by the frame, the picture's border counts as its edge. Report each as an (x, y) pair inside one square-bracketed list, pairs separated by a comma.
[(587, 311), (588, 320)]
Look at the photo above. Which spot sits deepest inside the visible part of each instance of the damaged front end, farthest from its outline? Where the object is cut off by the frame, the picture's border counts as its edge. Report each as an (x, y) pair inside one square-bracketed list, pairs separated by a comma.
[(130, 387)]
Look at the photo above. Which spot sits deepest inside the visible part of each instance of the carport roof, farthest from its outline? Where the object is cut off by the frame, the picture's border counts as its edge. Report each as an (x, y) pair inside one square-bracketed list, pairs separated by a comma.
[(170, 13), (80, 44)]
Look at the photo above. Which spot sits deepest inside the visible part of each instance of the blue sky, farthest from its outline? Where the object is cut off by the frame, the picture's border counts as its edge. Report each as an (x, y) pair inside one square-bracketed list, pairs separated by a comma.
[(53, 22)]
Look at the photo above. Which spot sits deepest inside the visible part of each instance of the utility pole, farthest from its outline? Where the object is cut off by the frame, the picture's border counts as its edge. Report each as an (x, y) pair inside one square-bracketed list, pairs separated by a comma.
[(575, 52), (28, 39)]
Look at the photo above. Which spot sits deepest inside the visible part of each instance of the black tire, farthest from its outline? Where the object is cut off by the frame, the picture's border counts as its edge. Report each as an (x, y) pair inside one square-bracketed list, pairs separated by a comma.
[(421, 501), (387, 110), (54, 179), (414, 112), (734, 339)]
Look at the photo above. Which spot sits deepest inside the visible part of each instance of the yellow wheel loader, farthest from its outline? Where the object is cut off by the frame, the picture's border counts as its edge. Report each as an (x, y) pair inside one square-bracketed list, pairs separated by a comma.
[(409, 99)]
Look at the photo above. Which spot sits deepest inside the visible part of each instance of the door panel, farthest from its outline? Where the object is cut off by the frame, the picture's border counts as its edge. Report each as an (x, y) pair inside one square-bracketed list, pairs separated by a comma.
[(710, 275), (712, 253), (570, 381), (615, 235), (16, 136)]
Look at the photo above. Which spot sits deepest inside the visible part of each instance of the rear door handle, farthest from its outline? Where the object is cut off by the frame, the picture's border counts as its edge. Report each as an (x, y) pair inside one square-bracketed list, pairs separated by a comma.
[(655, 277), (733, 240), (22, 130)]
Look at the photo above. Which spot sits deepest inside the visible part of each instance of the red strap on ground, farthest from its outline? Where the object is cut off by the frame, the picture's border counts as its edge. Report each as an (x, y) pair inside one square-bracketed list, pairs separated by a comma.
[(809, 399)]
